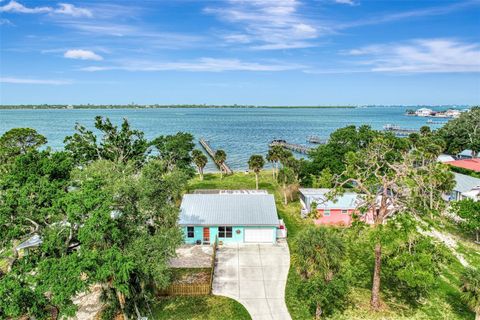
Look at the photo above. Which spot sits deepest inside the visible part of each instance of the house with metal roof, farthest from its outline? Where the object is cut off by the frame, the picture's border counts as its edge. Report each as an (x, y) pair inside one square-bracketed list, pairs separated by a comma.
[(229, 217), (338, 211), (466, 154), (469, 164), (465, 187)]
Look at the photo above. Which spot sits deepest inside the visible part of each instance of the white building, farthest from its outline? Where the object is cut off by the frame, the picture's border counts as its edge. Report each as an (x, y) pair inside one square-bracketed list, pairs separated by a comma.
[(452, 113), (424, 112), (445, 158), (465, 187)]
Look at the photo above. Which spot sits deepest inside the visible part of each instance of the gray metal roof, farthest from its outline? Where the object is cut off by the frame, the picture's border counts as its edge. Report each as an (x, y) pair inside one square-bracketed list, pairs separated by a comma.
[(228, 209), (348, 200), (33, 241), (465, 183)]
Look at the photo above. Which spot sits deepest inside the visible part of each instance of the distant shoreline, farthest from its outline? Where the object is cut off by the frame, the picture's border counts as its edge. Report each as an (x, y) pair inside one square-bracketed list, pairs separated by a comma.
[(83, 107)]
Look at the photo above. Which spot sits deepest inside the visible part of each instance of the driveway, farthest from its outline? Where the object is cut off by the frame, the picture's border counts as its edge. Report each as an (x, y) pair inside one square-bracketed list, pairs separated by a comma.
[(255, 275)]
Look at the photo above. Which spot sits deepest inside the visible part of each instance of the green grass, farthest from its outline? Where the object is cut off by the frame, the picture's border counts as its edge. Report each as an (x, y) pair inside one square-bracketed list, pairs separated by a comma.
[(443, 303), (199, 308)]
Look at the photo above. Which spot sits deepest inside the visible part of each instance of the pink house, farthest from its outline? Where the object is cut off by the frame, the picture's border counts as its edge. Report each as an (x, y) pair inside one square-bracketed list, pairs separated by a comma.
[(339, 211)]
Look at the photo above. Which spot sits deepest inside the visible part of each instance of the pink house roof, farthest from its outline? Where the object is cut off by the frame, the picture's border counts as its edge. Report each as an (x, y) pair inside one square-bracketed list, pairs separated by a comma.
[(470, 164)]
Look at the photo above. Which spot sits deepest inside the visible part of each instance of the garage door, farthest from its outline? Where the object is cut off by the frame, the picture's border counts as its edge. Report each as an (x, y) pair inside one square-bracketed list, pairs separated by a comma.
[(258, 235)]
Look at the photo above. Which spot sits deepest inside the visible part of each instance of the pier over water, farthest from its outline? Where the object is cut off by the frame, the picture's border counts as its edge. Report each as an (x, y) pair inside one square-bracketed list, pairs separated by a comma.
[(291, 146), (224, 167)]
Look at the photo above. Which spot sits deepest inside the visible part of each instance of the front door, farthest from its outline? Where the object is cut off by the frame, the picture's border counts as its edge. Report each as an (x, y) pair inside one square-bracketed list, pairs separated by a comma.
[(206, 235)]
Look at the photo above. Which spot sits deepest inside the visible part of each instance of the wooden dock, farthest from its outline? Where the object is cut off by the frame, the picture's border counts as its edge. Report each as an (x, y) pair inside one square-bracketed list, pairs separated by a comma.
[(291, 146), (316, 140), (204, 143), (397, 130)]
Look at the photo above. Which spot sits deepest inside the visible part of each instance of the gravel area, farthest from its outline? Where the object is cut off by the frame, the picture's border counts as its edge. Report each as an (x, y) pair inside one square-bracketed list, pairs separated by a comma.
[(193, 256)]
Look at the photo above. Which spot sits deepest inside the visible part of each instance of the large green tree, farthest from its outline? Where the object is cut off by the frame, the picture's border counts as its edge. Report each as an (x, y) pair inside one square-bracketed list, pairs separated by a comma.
[(116, 226), (463, 132), (386, 172), (21, 140), (332, 154), (175, 150), (469, 211), (115, 144), (18, 141)]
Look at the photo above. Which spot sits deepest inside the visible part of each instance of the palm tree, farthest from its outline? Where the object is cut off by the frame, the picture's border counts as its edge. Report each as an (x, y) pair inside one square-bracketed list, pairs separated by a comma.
[(220, 157), (273, 156), (471, 290), (286, 177), (256, 164), (200, 161), (283, 157)]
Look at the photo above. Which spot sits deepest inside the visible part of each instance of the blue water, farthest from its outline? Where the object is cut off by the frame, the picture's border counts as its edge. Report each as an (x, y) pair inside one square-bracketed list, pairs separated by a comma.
[(240, 132)]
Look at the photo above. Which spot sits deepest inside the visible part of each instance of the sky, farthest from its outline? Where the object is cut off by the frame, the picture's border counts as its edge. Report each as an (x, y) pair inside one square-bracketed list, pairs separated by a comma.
[(258, 52)]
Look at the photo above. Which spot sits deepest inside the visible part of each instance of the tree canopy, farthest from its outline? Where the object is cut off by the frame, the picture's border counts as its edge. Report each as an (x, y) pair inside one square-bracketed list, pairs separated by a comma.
[(463, 132), (110, 221), (115, 144), (175, 150)]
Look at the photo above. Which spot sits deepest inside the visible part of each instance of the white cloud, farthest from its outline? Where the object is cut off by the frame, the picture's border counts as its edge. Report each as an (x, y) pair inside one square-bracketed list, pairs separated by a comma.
[(14, 6), (82, 55), (71, 10), (13, 80), (63, 9), (265, 24), (199, 65), (349, 2), (421, 56)]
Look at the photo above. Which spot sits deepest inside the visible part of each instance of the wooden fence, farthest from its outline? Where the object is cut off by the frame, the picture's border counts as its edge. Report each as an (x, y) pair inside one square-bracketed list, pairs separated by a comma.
[(191, 289)]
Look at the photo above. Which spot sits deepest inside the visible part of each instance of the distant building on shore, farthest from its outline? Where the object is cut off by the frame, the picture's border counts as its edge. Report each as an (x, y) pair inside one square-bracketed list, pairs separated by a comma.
[(424, 112)]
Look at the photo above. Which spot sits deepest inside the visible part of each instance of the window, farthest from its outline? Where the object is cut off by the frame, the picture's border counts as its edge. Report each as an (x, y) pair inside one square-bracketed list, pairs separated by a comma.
[(224, 232), (190, 232), (326, 212), (344, 211)]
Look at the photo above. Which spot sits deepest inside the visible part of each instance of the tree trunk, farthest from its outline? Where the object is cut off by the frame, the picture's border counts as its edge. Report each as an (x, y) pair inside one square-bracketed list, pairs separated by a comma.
[(256, 180), (221, 172), (477, 315), (477, 234), (318, 312), (12, 260), (201, 173), (375, 301), (285, 193), (121, 300)]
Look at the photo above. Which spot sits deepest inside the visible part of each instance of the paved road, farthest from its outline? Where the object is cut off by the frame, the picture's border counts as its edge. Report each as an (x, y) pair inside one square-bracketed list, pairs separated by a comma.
[(255, 275)]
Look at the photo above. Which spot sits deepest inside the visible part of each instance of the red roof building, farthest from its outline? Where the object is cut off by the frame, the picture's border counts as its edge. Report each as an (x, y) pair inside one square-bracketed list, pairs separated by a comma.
[(470, 164)]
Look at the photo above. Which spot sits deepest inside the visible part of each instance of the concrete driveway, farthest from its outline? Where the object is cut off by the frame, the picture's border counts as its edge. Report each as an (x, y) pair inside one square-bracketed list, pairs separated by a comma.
[(255, 275)]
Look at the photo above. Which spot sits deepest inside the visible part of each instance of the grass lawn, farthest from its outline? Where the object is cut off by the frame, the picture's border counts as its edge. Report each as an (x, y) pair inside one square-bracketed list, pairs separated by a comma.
[(199, 308), (443, 303)]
